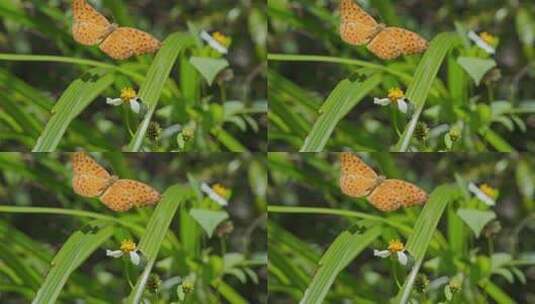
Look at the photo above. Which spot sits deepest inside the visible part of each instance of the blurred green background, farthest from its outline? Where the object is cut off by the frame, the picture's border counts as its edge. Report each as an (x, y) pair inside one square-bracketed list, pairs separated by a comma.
[(235, 103), (297, 239), (504, 102), (29, 241)]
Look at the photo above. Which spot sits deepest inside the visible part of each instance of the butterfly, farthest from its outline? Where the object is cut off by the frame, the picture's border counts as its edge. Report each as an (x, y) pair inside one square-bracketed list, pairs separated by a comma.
[(90, 27), (359, 180), (91, 180), (358, 28)]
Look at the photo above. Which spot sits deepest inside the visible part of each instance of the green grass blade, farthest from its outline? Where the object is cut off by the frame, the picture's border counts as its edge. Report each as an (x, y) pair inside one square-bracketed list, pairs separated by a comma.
[(424, 229), (74, 100), (496, 141), (496, 293), (423, 80), (152, 87), (73, 60), (341, 252), (156, 230), (342, 99), (73, 253)]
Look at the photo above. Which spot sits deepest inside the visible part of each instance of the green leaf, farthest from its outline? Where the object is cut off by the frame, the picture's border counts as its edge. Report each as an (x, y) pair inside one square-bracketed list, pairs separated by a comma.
[(209, 67), (423, 80), (72, 254), (424, 229), (208, 219), (74, 100), (156, 231), (476, 219), (152, 87), (341, 252), (342, 99), (476, 67)]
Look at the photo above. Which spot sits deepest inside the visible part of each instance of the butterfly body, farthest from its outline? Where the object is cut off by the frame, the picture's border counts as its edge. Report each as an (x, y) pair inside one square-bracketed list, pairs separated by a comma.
[(91, 28), (359, 180), (359, 28), (91, 180)]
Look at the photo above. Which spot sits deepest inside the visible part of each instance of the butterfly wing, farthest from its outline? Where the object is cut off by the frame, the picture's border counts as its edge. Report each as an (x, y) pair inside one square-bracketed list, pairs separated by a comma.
[(356, 27), (394, 193), (89, 26), (89, 178), (125, 42), (357, 179), (125, 194), (393, 42)]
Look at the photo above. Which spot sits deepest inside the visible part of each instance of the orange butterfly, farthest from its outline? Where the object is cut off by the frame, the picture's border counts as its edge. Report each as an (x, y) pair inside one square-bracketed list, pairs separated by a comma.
[(91, 180), (91, 27), (357, 28), (359, 180)]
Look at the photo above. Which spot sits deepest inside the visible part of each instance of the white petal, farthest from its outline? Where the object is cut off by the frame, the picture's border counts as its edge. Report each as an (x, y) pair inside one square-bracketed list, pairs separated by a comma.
[(213, 43), (135, 106), (481, 43), (114, 101), (212, 195), (134, 257), (481, 195), (402, 105), (402, 258), (381, 101), (114, 253), (382, 253)]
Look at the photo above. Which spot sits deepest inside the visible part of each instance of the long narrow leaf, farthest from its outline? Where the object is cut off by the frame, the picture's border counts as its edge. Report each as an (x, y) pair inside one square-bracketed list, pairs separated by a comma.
[(424, 229), (423, 80), (74, 100), (341, 252), (343, 98), (156, 230), (151, 89), (73, 253)]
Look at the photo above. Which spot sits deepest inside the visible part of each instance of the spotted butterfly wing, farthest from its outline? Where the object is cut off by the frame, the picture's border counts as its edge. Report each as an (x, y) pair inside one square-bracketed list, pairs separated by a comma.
[(89, 178), (356, 27), (357, 178), (392, 194), (125, 194), (125, 42), (393, 42), (89, 26)]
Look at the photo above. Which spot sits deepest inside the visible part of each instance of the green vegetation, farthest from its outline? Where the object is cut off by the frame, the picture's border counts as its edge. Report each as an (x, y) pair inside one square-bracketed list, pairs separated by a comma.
[(460, 249), (54, 243), (461, 97), (54, 90)]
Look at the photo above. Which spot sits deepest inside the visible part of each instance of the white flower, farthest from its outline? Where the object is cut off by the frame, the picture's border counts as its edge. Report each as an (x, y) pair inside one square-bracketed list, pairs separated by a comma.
[(394, 246), (127, 247), (484, 193), (213, 194), (395, 95), (212, 42), (129, 96), (480, 42)]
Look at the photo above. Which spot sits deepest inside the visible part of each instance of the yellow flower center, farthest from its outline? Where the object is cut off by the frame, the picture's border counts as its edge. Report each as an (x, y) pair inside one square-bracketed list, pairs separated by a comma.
[(128, 246), (222, 39), (128, 94), (395, 246), (488, 38), (395, 93), (488, 190), (221, 190)]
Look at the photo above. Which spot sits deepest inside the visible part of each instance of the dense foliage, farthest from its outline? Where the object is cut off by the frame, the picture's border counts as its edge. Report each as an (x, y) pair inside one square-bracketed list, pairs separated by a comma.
[(477, 253)]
